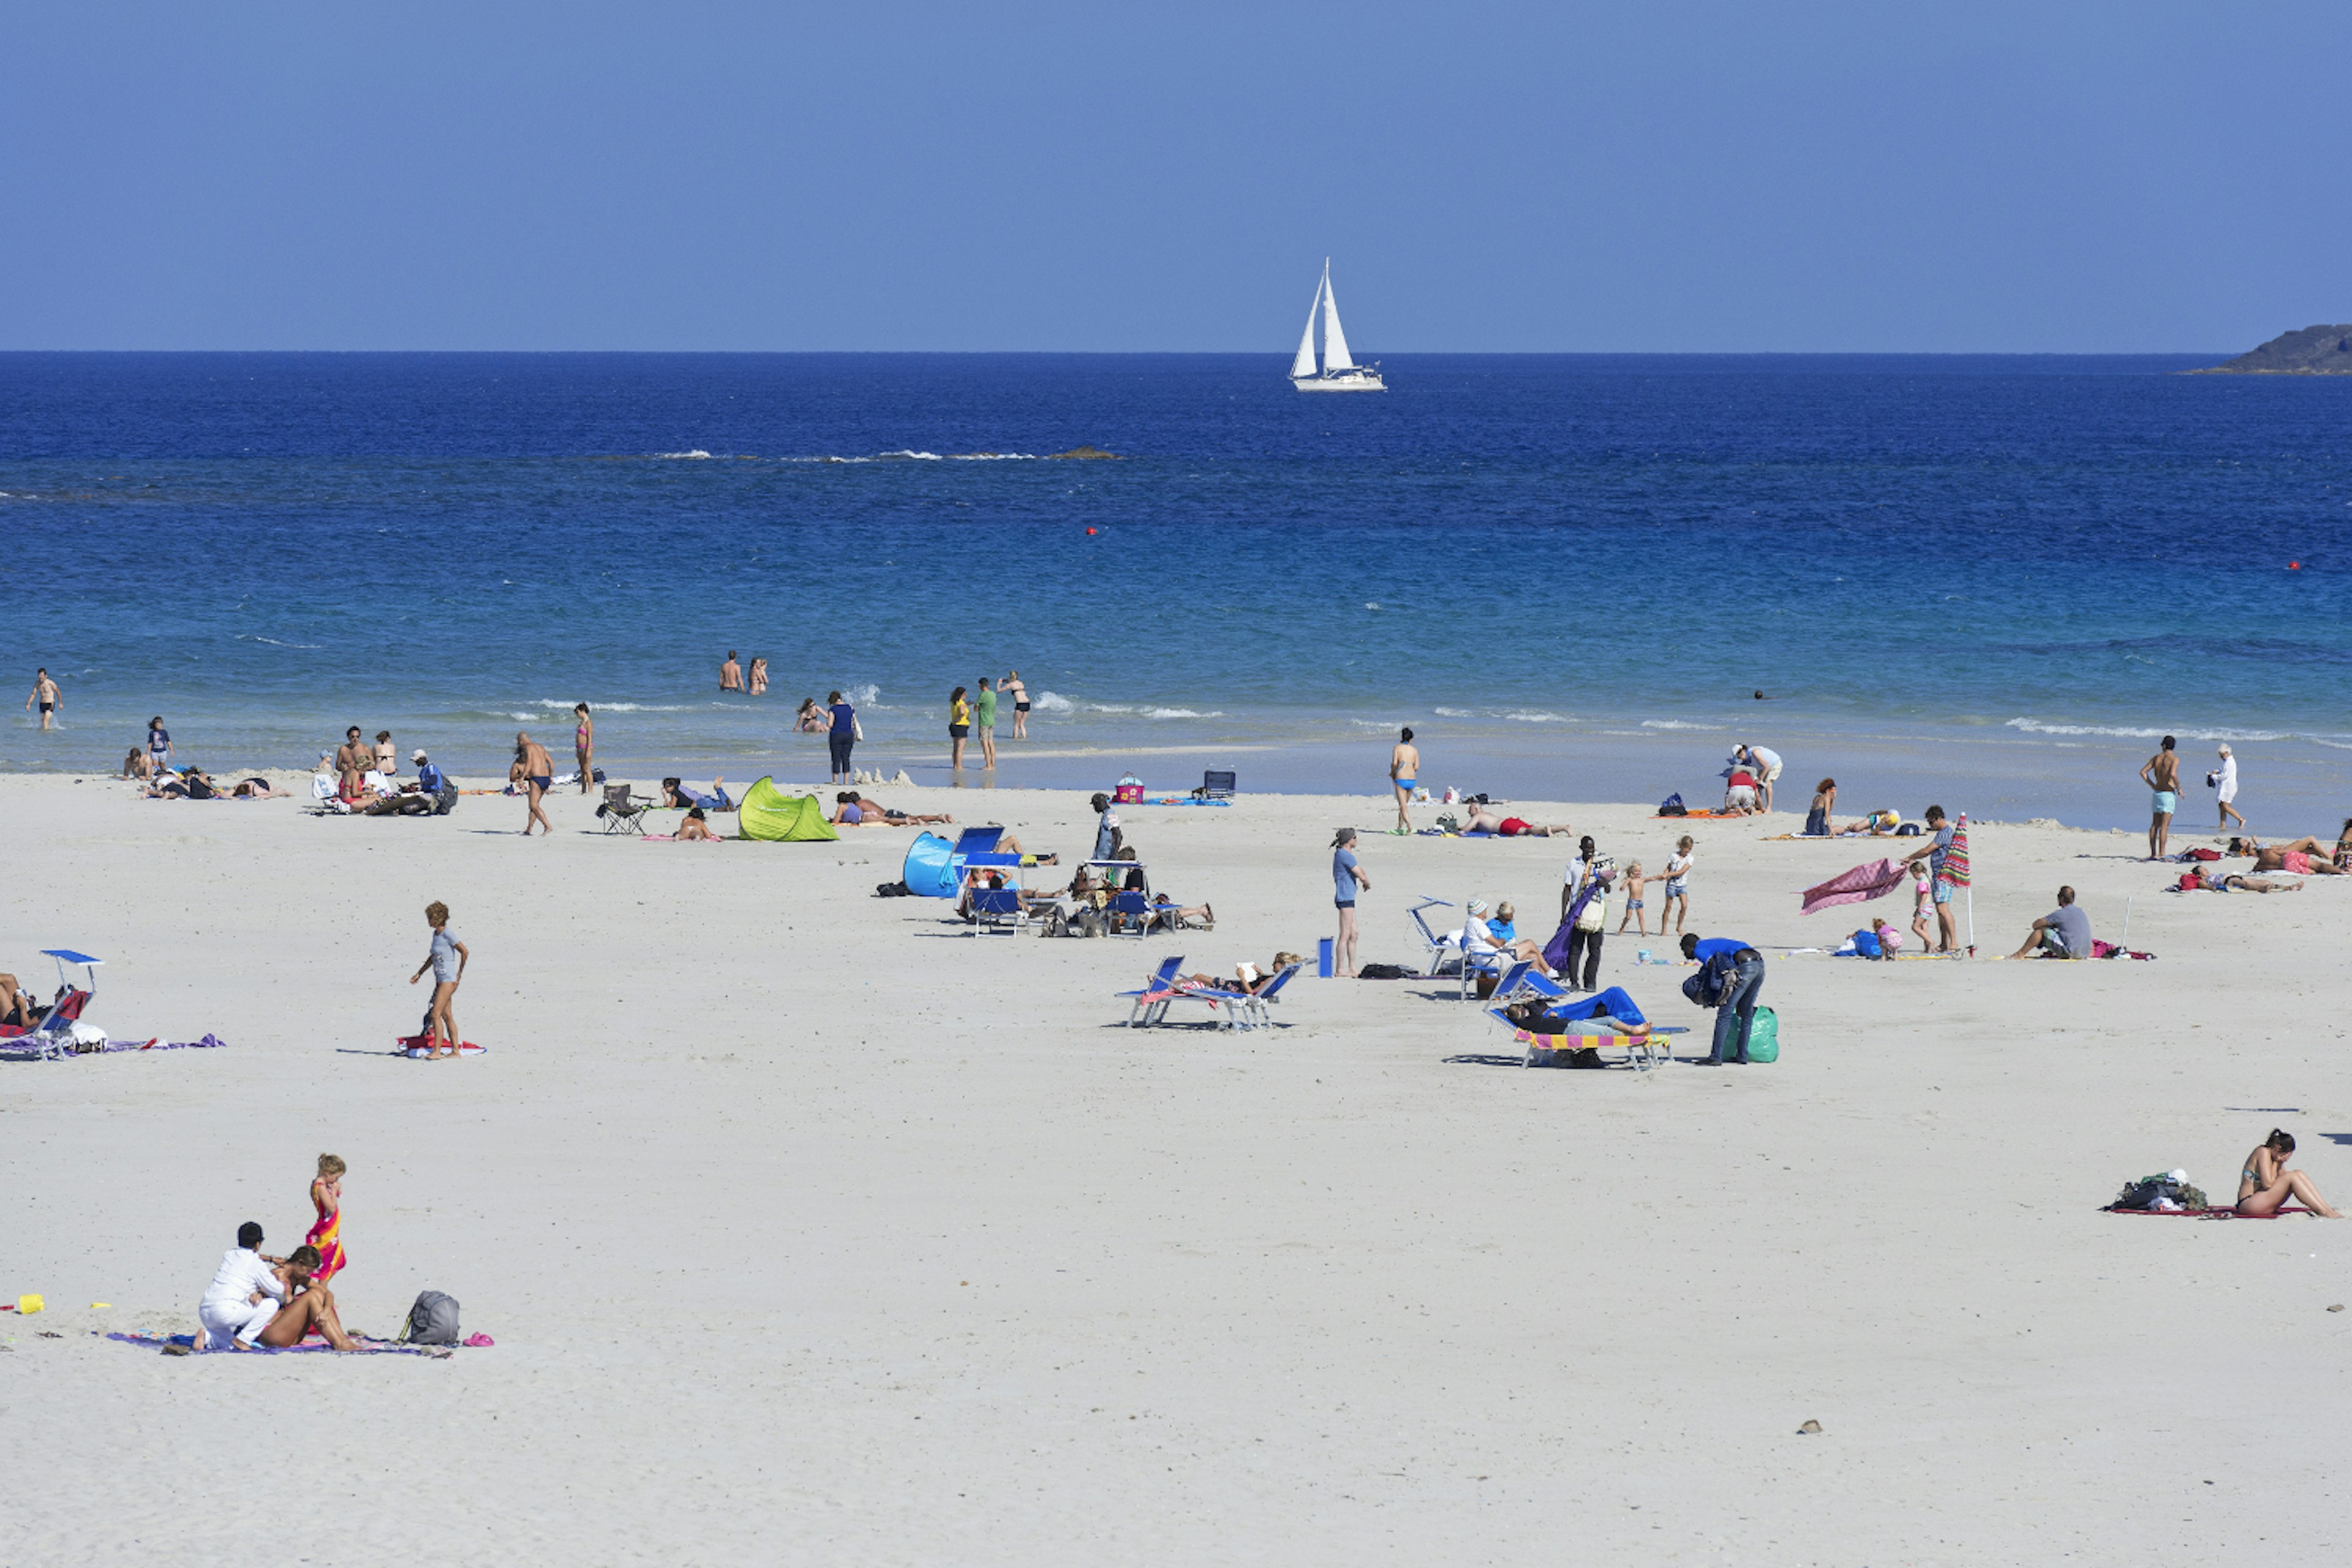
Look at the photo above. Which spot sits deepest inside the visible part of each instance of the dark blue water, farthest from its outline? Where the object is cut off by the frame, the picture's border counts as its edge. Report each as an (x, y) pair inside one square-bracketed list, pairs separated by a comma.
[(1537, 558)]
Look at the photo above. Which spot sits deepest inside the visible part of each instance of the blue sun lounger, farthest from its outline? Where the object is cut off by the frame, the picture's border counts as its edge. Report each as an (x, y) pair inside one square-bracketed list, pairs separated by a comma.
[(1155, 989)]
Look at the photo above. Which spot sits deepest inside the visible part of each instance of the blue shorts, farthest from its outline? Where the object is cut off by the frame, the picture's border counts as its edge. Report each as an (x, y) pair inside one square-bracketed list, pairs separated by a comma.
[(1677, 889), (1943, 892), (2164, 800)]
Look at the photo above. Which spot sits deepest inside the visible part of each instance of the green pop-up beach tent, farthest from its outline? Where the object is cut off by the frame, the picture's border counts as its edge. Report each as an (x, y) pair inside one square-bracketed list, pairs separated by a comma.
[(768, 813)]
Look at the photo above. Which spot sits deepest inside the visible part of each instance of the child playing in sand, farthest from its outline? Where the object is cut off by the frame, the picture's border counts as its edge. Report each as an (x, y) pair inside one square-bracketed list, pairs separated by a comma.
[(447, 962), (1633, 880), (1890, 941), (327, 1232), (1678, 865)]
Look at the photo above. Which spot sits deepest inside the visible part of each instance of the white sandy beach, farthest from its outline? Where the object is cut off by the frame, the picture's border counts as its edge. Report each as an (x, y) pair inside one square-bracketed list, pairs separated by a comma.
[(812, 1230)]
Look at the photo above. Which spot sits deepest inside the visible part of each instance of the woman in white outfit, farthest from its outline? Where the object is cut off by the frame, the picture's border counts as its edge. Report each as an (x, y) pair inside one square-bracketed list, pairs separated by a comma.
[(2225, 786)]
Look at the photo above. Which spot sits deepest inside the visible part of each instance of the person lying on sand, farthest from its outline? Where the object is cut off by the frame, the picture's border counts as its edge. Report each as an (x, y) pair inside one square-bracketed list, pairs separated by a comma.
[(695, 828), (854, 810), (2266, 1182), (2199, 879), (675, 794), (1485, 819), (2307, 857)]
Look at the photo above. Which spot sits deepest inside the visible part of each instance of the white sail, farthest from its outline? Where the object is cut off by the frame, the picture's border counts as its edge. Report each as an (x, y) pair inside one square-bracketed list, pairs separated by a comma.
[(1303, 366), (1335, 341)]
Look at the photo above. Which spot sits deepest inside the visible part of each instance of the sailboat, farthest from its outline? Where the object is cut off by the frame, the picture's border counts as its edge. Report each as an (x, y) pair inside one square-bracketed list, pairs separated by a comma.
[(1340, 373)]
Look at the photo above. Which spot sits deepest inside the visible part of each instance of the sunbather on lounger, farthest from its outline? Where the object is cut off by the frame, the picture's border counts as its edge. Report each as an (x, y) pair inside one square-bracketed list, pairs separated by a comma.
[(1536, 1019), (2265, 1183), (1247, 979), (1479, 941), (1168, 915)]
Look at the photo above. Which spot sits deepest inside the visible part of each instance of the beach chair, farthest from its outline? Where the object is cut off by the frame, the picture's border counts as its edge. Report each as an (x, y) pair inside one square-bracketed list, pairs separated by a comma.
[(1438, 946), (620, 814), (1254, 1006), (1151, 999), (1643, 1052), (1215, 784), (1129, 913), (53, 1036), (998, 908)]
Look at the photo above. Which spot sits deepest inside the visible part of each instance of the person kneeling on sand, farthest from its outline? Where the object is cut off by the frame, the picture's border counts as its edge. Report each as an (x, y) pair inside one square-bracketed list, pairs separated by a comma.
[(2063, 932), (2265, 1183), (243, 1296)]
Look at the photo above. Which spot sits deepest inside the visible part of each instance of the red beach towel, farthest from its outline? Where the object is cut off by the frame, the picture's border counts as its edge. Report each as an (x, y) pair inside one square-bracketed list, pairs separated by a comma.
[(1864, 883)]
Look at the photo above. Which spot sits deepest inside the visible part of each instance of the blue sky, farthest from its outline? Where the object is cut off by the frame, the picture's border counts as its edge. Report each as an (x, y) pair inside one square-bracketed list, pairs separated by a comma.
[(2065, 177)]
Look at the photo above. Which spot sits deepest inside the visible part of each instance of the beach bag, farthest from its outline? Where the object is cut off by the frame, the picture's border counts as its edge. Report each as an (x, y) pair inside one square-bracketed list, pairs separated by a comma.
[(1384, 972), (2202, 853), (444, 799), (1706, 987), (1594, 914), (433, 1320), (1908, 830), (1764, 1035), (1865, 942), (1128, 795), (1673, 806)]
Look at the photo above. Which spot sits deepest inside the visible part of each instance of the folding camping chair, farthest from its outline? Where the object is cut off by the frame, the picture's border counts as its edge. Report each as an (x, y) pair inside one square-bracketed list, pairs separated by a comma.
[(998, 908), (621, 814), (1215, 784), (1129, 913)]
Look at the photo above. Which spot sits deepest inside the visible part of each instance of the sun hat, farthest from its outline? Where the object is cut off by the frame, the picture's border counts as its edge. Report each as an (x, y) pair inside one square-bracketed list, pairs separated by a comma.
[(1478, 906)]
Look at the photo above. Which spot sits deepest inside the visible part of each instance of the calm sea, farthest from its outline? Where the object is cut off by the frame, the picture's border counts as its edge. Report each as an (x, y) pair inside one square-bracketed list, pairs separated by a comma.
[(1992, 579)]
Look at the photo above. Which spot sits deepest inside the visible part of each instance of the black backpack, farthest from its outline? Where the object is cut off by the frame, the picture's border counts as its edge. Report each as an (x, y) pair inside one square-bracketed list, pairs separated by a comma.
[(1706, 987), (1673, 806)]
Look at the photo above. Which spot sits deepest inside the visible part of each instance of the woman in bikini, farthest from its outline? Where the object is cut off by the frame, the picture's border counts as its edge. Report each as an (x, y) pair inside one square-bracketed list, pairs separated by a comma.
[(696, 828), (2305, 857), (812, 720), (759, 687), (1012, 688), (2266, 1182), (584, 744)]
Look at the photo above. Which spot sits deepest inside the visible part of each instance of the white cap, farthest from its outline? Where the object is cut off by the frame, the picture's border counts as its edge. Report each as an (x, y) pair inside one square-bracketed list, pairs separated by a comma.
[(1478, 906), (2225, 748)]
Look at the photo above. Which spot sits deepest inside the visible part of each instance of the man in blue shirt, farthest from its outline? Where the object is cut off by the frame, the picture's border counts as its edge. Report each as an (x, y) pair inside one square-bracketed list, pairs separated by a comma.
[(1741, 974)]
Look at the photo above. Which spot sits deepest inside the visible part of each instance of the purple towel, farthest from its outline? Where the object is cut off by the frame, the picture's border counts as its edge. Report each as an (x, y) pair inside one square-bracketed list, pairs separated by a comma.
[(1859, 886)]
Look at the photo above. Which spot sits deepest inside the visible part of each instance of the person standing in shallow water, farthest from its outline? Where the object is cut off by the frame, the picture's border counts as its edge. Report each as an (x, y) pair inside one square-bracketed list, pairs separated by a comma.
[(959, 726), (1404, 773), (730, 674), (2161, 774), (1016, 693), (584, 744), (984, 714), (44, 692)]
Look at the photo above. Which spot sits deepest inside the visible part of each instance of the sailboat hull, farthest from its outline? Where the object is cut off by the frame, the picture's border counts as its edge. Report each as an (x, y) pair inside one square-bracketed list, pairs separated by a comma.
[(1361, 379)]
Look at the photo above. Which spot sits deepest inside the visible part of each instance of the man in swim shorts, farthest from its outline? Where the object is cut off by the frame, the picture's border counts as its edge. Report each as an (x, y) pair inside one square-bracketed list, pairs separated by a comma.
[(534, 770), (2161, 774), (1404, 774), (44, 692)]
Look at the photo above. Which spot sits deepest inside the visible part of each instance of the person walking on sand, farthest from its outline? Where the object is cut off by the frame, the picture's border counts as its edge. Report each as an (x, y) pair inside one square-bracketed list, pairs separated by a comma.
[(534, 770), (1346, 877), (984, 714), (959, 726), (2224, 780), (2161, 774), (1940, 845), (584, 744), (44, 692), (730, 674), (1404, 773), (841, 735), (446, 960), (1012, 688)]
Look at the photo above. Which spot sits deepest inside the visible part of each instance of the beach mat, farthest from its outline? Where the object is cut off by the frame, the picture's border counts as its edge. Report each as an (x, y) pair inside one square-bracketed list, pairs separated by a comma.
[(1706, 816), (2205, 1213), (415, 1049), (186, 1343)]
